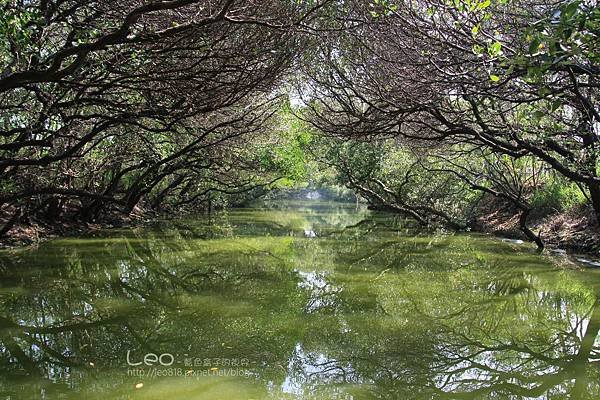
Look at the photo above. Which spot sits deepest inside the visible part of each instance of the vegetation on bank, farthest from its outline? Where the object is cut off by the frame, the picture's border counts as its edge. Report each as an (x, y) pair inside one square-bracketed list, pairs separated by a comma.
[(446, 112)]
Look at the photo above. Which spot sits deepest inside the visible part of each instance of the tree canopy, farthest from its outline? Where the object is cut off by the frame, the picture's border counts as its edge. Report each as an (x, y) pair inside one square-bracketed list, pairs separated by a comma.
[(419, 107)]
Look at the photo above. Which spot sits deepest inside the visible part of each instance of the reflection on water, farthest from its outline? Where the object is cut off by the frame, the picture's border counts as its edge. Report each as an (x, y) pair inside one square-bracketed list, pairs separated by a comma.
[(246, 304), (322, 292), (308, 369)]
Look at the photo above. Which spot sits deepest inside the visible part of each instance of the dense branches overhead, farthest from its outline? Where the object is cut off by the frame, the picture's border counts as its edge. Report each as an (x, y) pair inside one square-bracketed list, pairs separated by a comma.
[(106, 103), (518, 78), (107, 100)]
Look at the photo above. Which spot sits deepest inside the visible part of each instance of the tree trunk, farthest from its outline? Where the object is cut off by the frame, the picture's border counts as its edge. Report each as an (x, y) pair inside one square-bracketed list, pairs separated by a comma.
[(54, 209), (91, 211), (132, 200), (595, 197), (10, 223), (528, 232), (161, 196)]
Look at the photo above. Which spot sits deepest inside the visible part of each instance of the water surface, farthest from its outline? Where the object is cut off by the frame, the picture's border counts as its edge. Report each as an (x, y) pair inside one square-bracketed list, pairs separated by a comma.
[(295, 301)]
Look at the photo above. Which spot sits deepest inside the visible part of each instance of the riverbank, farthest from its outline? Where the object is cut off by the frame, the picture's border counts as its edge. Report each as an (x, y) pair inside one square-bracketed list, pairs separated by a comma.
[(573, 231), (30, 235), (37, 230)]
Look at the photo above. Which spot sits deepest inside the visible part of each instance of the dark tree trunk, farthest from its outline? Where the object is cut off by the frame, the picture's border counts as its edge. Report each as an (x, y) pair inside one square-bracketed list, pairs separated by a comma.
[(132, 200), (163, 194), (54, 209), (91, 211), (595, 197), (10, 223), (528, 232)]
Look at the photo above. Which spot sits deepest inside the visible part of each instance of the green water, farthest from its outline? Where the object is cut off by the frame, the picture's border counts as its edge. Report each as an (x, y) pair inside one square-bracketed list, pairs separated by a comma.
[(297, 301)]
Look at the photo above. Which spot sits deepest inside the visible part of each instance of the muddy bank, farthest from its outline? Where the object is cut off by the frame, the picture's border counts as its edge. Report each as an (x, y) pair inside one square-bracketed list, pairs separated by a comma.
[(33, 230), (573, 230)]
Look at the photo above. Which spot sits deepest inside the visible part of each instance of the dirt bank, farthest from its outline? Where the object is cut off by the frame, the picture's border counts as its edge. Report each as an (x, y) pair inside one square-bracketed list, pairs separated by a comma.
[(574, 230)]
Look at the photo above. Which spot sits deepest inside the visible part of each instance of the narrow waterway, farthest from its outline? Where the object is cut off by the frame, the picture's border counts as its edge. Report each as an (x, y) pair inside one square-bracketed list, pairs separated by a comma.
[(295, 301)]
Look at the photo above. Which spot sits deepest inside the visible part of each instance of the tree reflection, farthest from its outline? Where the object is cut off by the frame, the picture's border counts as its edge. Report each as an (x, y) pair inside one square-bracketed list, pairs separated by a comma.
[(366, 309)]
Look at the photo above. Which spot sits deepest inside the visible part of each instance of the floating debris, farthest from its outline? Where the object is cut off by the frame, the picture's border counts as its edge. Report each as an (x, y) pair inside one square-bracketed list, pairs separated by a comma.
[(560, 252), (314, 195), (310, 233), (513, 241), (588, 262)]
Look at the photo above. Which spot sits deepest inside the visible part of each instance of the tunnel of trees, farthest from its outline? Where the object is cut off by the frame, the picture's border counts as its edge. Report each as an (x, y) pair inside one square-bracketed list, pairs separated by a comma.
[(427, 108)]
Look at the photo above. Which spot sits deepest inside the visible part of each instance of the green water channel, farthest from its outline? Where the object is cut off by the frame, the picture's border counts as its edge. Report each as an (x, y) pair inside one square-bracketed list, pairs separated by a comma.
[(304, 300)]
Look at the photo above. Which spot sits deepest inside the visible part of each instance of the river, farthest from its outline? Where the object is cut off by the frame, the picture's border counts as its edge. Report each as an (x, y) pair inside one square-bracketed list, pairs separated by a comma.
[(304, 300)]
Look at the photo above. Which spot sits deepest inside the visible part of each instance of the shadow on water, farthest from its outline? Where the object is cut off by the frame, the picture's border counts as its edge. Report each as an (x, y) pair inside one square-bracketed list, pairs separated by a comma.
[(248, 305)]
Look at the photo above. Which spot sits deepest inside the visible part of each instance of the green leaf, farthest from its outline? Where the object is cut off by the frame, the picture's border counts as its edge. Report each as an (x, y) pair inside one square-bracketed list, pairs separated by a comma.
[(534, 45), (570, 10), (555, 105), (544, 91), (484, 4), (477, 49), (495, 49), (494, 78)]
